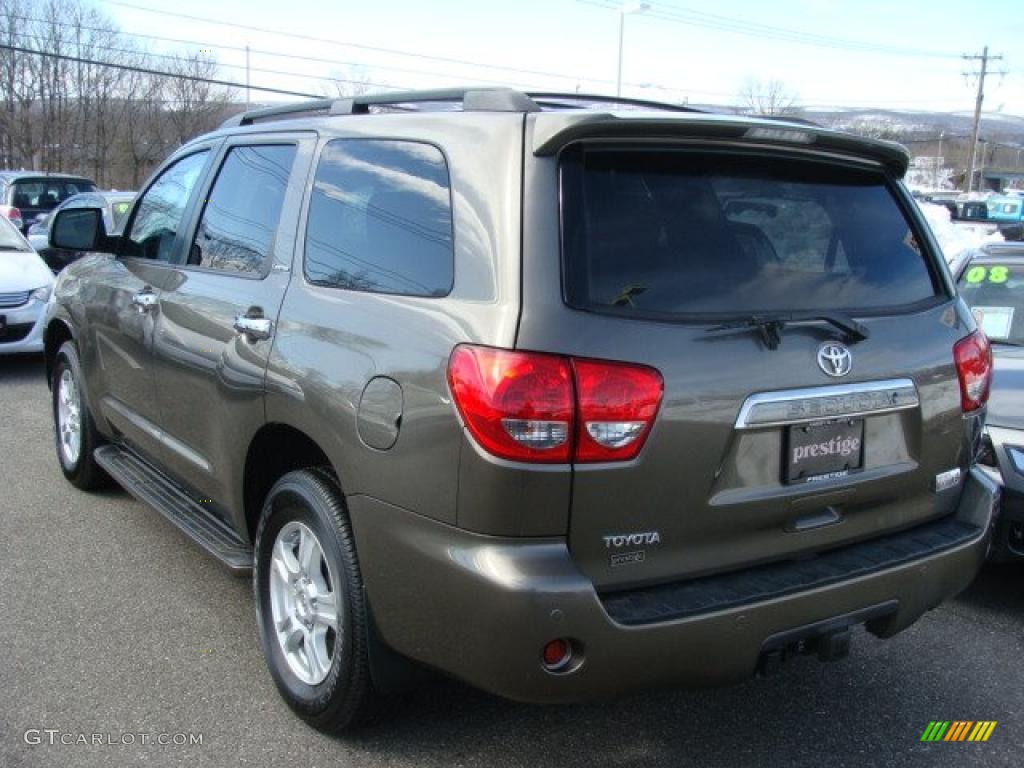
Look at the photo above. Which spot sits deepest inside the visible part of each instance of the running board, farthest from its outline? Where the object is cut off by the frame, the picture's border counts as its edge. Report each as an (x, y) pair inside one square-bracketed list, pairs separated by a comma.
[(151, 487)]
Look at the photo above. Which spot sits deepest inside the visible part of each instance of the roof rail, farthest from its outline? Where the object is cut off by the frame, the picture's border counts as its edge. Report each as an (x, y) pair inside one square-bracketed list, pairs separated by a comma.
[(295, 109), (584, 100), (471, 100)]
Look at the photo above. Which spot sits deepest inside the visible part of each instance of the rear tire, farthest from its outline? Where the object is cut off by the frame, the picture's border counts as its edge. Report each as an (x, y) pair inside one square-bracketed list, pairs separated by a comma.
[(74, 430), (310, 606)]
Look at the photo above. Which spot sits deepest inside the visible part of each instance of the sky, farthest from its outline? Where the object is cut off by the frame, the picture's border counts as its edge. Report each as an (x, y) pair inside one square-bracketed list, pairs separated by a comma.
[(898, 54)]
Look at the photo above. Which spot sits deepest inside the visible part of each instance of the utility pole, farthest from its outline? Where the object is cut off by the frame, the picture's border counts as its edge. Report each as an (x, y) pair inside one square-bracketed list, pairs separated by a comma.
[(972, 158), (624, 11), (247, 96)]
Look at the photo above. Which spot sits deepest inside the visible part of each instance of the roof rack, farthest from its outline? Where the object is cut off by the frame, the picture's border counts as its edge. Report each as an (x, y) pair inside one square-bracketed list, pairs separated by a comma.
[(469, 99)]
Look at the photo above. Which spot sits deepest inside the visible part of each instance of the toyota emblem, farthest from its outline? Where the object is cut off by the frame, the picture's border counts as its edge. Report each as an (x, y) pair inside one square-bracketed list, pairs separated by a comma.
[(834, 358)]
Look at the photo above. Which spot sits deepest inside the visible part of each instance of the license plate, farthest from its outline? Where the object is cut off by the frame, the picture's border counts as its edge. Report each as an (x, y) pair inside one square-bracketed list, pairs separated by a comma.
[(824, 449)]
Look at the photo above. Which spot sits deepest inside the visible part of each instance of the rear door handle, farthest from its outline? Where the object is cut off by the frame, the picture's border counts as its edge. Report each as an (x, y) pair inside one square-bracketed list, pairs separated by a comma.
[(145, 299), (254, 326)]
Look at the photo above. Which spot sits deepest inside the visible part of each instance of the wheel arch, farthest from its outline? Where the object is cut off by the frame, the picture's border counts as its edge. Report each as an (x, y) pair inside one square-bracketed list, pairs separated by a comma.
[(57, 332), (275, 450)]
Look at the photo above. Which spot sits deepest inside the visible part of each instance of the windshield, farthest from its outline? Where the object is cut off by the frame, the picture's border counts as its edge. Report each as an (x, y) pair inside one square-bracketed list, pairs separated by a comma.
[(120, 210), (47, 194), (10, 238), (995, 294), (675, 233)]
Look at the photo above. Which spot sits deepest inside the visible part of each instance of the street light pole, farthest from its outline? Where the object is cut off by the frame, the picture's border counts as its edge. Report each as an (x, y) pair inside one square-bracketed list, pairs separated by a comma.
[(625, 10)]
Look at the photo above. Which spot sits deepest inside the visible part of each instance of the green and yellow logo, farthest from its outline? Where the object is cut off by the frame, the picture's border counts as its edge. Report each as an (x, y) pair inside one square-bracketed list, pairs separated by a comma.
[(958, 730)]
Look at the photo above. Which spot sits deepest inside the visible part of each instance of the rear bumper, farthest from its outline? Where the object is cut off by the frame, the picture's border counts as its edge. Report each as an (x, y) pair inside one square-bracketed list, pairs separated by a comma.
[(1008, 532), (482, 608)]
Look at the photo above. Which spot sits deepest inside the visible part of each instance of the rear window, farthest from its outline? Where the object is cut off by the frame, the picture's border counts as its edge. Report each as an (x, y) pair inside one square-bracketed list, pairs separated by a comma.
[(46, 194), (664, 233)]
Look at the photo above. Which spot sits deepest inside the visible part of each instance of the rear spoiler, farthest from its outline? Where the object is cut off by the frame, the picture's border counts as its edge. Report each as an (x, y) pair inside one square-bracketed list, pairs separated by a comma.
[(553, 131)]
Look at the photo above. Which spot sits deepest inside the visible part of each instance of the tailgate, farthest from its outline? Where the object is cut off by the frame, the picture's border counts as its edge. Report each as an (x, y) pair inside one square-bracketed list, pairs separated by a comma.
[(773, 440), (714, 480)]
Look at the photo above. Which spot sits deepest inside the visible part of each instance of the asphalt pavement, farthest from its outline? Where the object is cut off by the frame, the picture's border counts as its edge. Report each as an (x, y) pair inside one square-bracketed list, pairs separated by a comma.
[(116, 628)]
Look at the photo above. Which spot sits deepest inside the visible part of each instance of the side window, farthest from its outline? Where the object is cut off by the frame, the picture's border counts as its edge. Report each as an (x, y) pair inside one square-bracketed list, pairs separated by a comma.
[(380, 219), (241, 215), (161, 209)]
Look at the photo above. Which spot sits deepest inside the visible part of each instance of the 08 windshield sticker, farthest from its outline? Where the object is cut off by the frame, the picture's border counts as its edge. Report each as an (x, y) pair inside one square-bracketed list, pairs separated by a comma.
[(998, 274)]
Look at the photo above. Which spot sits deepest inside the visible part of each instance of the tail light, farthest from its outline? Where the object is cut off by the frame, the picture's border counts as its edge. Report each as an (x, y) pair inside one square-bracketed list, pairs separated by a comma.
[(518, 405), (617, 404), (10, 212), (535, 407), (973, 357)]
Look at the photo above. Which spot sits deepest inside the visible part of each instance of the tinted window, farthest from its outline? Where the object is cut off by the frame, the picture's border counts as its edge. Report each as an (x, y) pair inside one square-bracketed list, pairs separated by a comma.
[(243, 210), (161, 209), (380, 219), (663, 233), (994, 290), (46, 194)]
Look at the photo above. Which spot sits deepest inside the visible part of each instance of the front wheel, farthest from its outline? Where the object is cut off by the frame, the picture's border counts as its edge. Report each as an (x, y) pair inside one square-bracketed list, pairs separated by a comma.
[(74, 430), (310, 607)]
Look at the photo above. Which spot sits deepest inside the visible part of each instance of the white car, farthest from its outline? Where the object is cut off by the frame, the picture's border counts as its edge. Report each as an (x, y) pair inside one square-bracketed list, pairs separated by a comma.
[(26, 284)]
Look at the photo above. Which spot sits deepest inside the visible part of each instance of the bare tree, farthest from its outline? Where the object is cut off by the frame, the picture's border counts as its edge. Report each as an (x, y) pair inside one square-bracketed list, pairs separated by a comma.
[(354, 80), (75, 96), (193, 106), (770, 97)]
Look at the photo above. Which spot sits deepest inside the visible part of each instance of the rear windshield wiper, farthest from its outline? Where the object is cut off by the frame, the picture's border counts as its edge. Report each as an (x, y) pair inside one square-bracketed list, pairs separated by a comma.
[(770, 325)]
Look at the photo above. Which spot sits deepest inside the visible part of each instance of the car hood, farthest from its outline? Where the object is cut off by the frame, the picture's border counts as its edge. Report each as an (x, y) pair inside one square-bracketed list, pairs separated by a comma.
[(22, 271), (1006, 403)]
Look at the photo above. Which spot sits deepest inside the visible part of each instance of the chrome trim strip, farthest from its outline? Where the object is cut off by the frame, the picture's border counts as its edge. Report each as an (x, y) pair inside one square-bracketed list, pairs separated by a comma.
[(156, 433), (799, 406)]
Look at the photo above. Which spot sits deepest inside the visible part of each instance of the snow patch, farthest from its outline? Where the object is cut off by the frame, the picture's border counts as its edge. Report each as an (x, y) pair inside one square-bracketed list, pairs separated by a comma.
[(956, 237)]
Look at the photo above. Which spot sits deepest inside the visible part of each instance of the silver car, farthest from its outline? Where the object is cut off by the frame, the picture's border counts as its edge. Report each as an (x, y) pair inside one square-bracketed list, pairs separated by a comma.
[(26, 284)]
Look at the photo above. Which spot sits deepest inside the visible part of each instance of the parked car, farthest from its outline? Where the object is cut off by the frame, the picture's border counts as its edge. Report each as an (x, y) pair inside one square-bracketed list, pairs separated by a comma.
[(1006, 208), (115, 206), (564, 402), (25, 287), (972, 208), (26, 195), (945, 198), (991, 281)]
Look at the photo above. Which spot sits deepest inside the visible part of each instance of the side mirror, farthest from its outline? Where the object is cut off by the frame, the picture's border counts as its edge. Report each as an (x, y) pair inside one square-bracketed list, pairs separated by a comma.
[(78, 229)]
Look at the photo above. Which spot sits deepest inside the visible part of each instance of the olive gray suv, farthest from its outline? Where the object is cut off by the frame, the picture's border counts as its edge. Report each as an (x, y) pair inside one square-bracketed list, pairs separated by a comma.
[(562, 398)]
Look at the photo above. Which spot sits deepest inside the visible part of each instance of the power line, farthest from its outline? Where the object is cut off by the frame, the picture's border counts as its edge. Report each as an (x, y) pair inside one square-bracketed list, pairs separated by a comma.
[(328, 41), (173, 57), (276, 54), (157, 72), (690, 17)]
